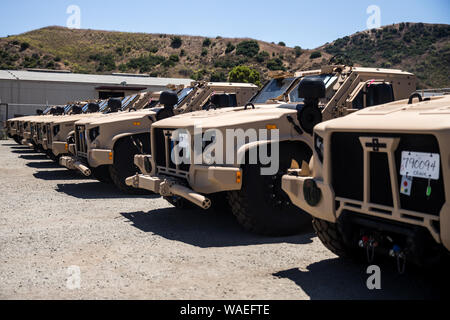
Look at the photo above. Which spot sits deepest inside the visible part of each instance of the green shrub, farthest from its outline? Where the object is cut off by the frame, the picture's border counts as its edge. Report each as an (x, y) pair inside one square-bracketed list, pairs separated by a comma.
[(230, 48), (244, 74), (176, 42), (298, 51), (315, 55), (262, 56), (218, 77), (275, 64), (248, 48), (206, 42), (282, 44), (24, 46), (145, 63), (204, 52)]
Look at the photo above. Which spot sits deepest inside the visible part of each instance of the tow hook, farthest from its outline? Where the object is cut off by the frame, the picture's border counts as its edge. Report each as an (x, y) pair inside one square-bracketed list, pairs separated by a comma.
[(368, 243), (400, 255)]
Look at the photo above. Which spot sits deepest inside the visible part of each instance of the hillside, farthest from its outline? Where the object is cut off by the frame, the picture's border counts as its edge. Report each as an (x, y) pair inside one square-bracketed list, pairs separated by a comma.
[(420, 48)]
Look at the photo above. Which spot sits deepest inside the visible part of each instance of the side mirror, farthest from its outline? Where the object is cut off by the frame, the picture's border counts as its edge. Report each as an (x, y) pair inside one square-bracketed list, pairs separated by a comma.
[(93, 107), (311, 89), (114, 105), (168, 99)]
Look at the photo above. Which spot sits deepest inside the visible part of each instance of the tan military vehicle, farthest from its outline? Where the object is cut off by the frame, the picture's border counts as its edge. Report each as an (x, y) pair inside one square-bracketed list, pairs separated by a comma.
[(106, 146), (16, 127), (380, 181), (279, 120), (62, 128)]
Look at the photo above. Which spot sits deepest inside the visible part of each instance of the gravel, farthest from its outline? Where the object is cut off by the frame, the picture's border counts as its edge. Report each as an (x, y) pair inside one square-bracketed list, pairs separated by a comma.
[(54, 223)]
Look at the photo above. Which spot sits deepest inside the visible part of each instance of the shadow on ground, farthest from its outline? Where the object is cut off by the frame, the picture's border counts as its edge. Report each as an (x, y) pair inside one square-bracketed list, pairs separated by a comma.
[(58, 175), (13, 145), (204, 229), (346, 280), (44, 165), (95, 190)]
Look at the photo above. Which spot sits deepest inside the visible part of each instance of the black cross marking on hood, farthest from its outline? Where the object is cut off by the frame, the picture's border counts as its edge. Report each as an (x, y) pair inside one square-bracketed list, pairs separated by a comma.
[(376, 145)]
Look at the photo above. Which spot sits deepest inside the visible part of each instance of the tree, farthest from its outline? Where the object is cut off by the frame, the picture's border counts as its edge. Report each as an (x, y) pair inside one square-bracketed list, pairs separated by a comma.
[(176, 42), (298, 51), (244, 74), (275, 64), (206, 42), (315, 55), (218, 77), (230, 48), (248, 48), (281, 43)]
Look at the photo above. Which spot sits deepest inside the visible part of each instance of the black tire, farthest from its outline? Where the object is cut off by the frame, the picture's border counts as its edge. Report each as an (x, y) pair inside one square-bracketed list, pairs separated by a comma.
[(101, 174), (124, 167), (17, 140), (261, 206), (332, 238)]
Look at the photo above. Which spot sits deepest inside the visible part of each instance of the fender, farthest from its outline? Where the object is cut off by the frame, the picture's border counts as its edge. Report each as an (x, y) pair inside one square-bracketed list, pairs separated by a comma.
[(306, 139), (127, 134)]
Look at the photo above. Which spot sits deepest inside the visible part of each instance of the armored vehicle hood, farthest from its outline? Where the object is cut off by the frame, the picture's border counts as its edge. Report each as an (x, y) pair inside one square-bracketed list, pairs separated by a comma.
[(396, 116), (229, 117)]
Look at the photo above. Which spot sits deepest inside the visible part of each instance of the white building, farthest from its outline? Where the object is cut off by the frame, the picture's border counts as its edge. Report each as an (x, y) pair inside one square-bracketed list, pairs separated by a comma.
[(26, 91)]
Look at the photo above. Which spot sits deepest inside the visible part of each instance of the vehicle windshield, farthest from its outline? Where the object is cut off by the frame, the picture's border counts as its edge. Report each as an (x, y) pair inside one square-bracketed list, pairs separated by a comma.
[(328, 79), (47, 110), (103, 105), (67, 108), (182, 95), (126, 103), (273, 89)]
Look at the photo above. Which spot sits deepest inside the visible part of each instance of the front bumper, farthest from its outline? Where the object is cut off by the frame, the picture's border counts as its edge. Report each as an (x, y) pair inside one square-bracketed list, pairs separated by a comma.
[(203, 180), (330, 208), (168, 187), (100, 157), (73, 163), (294, 186), (59, 148)]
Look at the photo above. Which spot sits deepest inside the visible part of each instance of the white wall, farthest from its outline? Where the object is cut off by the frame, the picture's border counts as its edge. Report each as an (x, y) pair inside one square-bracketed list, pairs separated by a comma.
[(32, 95)]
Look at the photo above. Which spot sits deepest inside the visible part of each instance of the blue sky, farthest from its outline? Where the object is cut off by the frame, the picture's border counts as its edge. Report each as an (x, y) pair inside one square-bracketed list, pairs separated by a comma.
[(296, 22)]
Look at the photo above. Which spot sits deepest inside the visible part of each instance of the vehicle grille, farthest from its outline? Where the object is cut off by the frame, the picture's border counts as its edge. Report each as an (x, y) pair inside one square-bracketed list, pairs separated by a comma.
[(80, 141), (347, 165), (162, 154)]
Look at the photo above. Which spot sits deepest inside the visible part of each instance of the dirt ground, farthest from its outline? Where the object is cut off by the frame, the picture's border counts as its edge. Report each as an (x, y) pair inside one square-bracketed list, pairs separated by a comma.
[(55, 223)]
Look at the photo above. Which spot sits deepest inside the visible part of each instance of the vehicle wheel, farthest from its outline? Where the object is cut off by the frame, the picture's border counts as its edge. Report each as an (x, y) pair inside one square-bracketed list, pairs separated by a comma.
[(101, 174), (17, 140), (332, 238), (261, 206), (124, 166)]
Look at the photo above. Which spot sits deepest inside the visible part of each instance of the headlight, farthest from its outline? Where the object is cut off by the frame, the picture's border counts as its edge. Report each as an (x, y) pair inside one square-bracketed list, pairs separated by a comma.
[(56, 129), (94, 133), (318, 146)]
